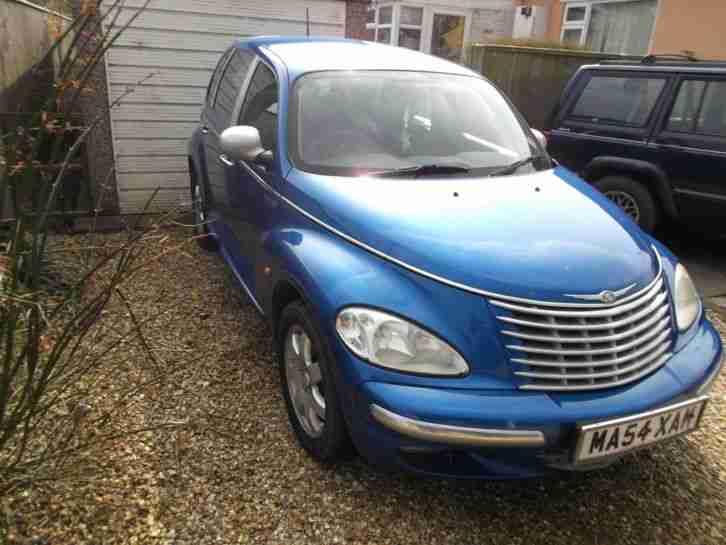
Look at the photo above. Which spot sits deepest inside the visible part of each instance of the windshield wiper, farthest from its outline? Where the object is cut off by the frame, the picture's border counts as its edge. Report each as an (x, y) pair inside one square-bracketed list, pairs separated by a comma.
[(511, 169), (422, 170)]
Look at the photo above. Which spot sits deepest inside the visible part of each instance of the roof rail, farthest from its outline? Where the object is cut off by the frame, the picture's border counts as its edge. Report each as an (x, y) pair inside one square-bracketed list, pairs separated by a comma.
[(652, 59), (668, 61)]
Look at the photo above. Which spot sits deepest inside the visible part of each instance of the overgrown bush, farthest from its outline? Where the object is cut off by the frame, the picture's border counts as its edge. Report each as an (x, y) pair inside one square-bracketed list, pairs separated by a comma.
[(64, 316)]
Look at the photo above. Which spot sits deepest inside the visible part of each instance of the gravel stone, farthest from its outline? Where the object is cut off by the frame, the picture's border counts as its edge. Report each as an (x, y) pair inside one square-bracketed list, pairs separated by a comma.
[(231, 472)]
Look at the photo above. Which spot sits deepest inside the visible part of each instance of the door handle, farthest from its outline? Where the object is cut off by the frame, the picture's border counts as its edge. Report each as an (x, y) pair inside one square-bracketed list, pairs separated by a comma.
[(226, 161), (205, 130)]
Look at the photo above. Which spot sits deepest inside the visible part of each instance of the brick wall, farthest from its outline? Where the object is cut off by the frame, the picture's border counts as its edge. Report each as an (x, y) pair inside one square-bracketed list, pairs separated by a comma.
[(355, 20)]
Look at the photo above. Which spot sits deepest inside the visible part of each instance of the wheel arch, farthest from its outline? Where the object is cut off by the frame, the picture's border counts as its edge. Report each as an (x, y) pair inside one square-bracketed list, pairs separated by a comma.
[(285, 291), (650, 175)]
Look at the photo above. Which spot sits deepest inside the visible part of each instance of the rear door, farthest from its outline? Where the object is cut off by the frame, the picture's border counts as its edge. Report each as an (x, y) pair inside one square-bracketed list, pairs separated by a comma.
[(213, 173), (609, 113), (691, 143)]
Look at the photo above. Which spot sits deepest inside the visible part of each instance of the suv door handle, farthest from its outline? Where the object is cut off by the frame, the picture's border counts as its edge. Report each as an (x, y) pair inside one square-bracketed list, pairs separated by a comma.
[(226, 161), (205, 130)]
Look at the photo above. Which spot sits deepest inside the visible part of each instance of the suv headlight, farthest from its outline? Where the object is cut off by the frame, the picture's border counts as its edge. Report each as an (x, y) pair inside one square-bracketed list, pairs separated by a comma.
[(687, 300), (394, 343)]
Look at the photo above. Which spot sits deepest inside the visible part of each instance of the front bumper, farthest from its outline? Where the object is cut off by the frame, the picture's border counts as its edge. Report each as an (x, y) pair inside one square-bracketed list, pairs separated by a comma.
[(511, 434)]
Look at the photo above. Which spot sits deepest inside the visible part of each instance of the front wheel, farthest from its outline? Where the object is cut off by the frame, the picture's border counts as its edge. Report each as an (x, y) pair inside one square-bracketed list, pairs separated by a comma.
[(308, 386), (633, 198)]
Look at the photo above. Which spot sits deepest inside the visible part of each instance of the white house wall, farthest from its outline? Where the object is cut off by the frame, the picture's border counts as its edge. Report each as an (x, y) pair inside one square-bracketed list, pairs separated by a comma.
[(491, 22), (176, 44)]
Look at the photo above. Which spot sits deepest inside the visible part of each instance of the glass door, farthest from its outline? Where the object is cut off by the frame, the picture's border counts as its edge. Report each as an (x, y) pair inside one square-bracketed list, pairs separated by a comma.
[(447, 36)]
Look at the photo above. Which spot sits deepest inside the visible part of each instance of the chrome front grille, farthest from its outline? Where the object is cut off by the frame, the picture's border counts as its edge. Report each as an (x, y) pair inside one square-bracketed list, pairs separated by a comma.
[(573, 347)]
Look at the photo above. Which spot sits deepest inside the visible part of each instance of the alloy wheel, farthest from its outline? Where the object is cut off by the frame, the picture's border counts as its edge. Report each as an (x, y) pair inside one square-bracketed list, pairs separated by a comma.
[(625, 201), (304, 381)]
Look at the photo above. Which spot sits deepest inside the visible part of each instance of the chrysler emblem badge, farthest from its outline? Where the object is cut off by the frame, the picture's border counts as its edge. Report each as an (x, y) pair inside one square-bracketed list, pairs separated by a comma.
[(606, 296)]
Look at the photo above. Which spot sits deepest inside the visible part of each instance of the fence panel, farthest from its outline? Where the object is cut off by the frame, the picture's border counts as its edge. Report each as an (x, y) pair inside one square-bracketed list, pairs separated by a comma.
[(533, 78)]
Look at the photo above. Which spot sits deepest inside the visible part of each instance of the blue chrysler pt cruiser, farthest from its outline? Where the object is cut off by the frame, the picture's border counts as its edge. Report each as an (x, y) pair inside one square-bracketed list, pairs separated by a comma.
[(445, 298)]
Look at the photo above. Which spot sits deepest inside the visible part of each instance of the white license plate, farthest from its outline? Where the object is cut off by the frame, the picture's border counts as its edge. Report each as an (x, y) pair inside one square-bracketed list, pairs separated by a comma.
[(631, 432)]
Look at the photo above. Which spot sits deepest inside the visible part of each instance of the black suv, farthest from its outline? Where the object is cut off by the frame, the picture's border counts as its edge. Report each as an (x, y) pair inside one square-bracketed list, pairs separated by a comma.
[(651, 135)]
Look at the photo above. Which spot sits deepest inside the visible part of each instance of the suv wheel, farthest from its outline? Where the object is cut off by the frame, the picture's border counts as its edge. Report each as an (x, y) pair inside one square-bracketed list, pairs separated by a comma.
[(634, 198)]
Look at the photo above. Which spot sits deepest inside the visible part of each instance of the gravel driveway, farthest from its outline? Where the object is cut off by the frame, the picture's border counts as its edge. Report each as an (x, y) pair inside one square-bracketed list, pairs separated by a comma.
[(234, 473)]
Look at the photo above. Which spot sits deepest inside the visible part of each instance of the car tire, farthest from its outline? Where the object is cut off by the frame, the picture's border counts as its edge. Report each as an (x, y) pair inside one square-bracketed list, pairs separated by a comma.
[(309, 388), (204, 238), (633, 198)]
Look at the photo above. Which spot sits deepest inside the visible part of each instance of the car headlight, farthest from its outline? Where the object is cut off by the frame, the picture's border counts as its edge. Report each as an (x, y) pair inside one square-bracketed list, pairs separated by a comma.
[(687, 300), (394, 343)]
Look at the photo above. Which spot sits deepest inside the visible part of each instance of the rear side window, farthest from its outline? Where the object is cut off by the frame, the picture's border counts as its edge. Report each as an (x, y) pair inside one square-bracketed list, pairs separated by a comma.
[(618, 100), (216, 76), (700, 108), (685, 110), (231, 83)]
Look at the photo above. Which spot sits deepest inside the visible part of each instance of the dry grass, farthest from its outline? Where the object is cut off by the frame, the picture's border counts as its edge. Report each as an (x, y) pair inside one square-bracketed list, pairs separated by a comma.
[(231, 472)]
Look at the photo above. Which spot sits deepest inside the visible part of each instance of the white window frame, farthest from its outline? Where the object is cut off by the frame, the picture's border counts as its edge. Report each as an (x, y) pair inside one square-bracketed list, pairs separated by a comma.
[(390, 26), (445, 10), (427, 21), (399, 25), (372, 26), (585, 24)]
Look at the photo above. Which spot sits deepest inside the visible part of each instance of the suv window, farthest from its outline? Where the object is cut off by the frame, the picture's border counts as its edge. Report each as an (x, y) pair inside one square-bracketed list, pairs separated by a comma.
[(700, 108), (231, 83), (684, 112), (618, 99), (260, 106)]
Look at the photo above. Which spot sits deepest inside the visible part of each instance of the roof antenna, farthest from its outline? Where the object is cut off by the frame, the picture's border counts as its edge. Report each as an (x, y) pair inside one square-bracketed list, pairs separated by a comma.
[(307, 20)]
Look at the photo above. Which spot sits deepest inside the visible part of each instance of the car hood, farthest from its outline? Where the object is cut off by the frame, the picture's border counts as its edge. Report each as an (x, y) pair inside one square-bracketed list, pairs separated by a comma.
[(541, 235)]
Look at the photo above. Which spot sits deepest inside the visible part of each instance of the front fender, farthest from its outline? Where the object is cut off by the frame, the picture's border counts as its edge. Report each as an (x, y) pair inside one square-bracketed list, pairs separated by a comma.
[(332, 273)]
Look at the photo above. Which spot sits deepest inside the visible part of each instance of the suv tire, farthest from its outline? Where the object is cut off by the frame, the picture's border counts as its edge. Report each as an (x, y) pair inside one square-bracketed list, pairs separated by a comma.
[(633, 198)]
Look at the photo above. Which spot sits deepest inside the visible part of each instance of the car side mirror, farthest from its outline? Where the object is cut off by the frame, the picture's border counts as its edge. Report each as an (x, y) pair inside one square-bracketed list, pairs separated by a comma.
[(241, 143), (541, 138)]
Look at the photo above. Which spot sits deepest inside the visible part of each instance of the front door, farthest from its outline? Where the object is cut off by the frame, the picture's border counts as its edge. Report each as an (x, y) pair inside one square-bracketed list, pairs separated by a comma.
[(226, 103), (247, 215), (692, 149), (610, 113)]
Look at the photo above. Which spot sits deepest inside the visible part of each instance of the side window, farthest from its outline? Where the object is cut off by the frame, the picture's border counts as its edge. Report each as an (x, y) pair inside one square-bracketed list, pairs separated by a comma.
[(231, 83), (618, 99), (712, 118), (214, 81), (685, 110), (700, 108), (260, 106)]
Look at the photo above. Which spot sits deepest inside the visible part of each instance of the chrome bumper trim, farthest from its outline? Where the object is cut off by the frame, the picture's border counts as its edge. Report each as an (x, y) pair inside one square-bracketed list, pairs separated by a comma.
[(456, 435)]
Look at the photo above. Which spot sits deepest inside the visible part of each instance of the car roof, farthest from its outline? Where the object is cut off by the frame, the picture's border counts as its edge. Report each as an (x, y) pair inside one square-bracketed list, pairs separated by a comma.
[(302, 55)]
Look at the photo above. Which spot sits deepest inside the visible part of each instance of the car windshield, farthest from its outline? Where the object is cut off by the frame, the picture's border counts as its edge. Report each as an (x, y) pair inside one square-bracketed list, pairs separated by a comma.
[(355, 123)]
